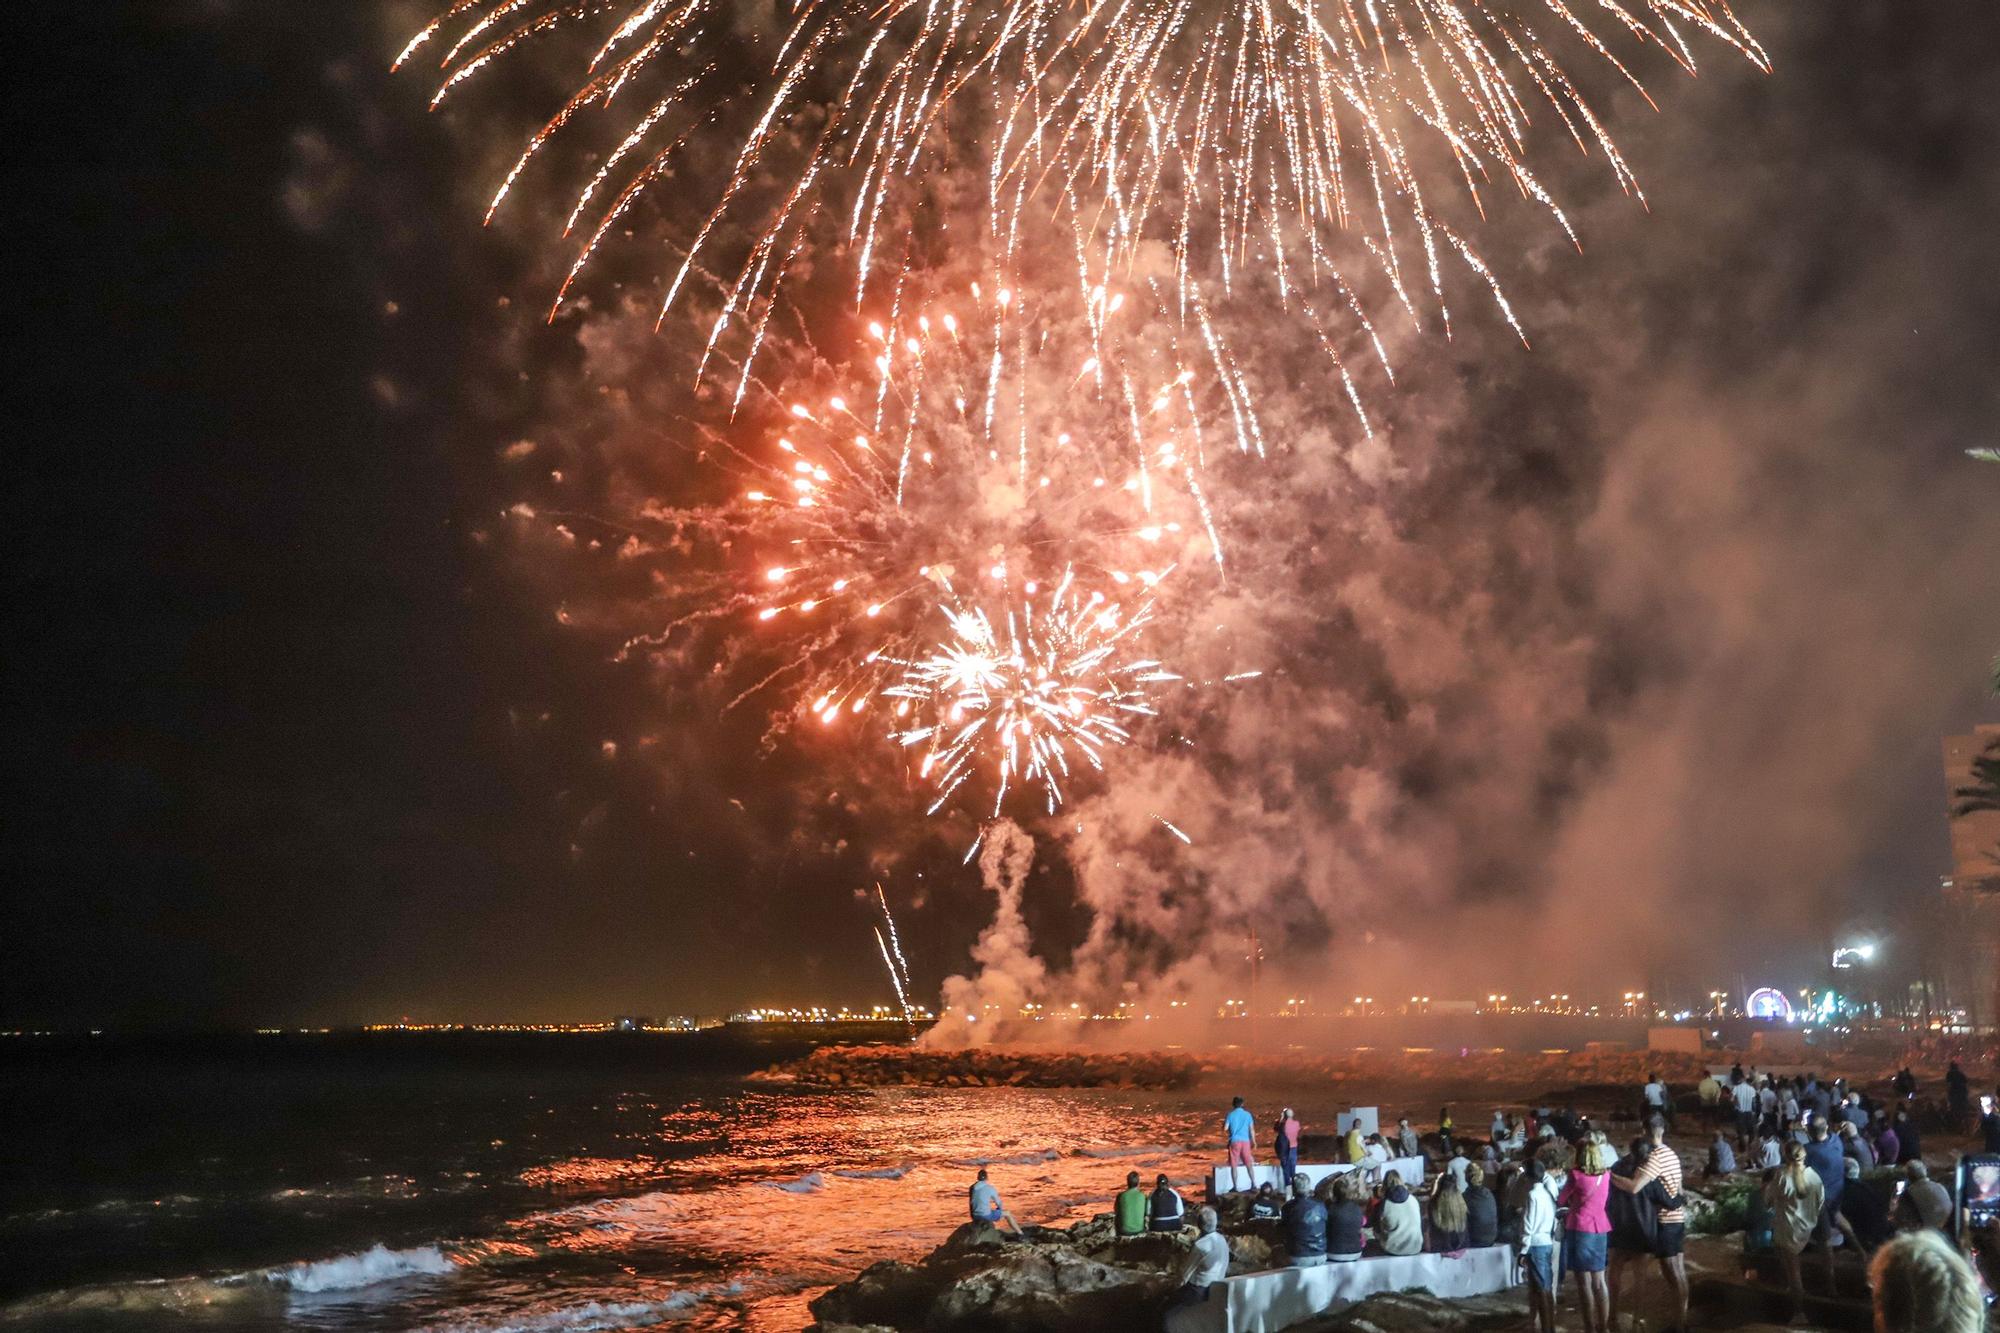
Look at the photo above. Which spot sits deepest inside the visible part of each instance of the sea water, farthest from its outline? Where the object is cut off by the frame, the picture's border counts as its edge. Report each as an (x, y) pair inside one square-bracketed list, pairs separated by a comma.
[(570, 1183)]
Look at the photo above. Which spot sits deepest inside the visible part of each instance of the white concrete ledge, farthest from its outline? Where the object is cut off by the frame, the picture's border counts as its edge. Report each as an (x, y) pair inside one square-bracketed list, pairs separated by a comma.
[(1411, 1169), (1267, 1302)]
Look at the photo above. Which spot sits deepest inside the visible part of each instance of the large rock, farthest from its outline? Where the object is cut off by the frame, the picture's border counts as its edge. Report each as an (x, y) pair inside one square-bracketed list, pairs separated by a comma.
[(1054, 1282), (1047, 1288), (890, 1292)]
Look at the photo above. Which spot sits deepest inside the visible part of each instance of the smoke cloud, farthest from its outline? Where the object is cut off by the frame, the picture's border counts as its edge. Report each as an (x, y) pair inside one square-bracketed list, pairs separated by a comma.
[(1619, 659)]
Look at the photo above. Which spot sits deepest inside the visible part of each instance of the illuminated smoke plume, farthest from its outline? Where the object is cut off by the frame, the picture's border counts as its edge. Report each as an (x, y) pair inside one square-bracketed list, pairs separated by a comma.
[(1010, 975)]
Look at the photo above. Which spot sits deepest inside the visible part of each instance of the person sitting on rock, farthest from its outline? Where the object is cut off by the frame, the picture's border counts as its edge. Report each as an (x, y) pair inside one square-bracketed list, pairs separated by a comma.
[(1457, 1164), (1374, 1152), (1482, 1211), (1305, 1225), (1721, 1157), (1448, 1217), (1164, 1208), (1206, 1264), (986, 1204), (1346, 1221), (1354, 1148), (1266, 1203), (1399, 1220), (1130, 1207)]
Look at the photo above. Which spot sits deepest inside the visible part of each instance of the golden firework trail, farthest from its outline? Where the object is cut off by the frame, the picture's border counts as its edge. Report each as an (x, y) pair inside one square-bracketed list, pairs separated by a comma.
[(1320, 147), (892, 958)]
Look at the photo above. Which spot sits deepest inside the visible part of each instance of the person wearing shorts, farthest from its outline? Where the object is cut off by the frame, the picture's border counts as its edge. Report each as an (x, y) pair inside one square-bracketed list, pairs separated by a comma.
[(1670, 1233), (1240, 1130), (1538, 1248)]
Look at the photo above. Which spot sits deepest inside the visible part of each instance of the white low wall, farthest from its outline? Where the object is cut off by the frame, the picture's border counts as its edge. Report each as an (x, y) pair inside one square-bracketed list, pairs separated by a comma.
[(1267, 1302), (1411, 1168)]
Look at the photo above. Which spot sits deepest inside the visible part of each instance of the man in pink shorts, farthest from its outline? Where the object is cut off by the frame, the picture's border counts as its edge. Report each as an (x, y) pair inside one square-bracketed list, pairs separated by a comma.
[(1240, 1129)]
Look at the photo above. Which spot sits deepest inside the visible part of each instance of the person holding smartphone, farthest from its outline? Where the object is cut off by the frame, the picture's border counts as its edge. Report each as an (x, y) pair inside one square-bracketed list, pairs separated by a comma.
[(1989, 1125)]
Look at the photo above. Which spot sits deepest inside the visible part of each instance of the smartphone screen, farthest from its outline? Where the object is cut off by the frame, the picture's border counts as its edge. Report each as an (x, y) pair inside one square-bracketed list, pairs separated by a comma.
[(1986, 1105), (1978, 1190), (1900, 1186)]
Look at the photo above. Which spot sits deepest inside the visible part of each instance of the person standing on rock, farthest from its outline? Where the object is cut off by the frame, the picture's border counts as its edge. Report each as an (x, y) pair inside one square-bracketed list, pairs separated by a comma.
[(986, 1207), (1305, 1225), (1130, 1208), (1796, 1197), (1539, 1229), (1286, 1144), (1407, 1142), (1241, 1132), (1206, 1264), (1586, 1239), (1653, 1099), (1745, 1096)]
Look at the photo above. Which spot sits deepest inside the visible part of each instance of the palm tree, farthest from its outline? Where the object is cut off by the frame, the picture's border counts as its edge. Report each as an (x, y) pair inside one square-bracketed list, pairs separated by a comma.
[(1983, 792)]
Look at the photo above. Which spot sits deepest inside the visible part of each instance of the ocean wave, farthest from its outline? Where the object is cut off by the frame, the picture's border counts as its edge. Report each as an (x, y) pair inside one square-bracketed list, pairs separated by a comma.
[(876, 1173), (1017, 1159), (810, 1183), (379, 1263), (599, 1315)]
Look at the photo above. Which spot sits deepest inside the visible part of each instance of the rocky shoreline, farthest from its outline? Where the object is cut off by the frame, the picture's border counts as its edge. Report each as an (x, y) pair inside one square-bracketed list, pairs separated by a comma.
[(984, 1067)]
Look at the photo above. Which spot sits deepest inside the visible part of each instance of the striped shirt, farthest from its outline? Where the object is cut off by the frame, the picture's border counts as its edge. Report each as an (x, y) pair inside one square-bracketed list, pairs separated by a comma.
[(1663, 1162)]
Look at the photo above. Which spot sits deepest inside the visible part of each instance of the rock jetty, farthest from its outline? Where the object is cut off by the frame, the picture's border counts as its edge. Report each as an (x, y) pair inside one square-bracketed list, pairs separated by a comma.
[(984, 1067)]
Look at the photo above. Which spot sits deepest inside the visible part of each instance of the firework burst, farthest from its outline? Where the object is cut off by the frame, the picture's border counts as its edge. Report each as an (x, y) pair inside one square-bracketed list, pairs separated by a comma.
[(1056, 681), (963, 541), (1242, 136)]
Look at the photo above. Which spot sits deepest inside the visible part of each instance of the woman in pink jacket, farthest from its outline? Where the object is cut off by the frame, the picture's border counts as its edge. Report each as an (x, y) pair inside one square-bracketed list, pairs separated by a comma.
[(1588, 1232)]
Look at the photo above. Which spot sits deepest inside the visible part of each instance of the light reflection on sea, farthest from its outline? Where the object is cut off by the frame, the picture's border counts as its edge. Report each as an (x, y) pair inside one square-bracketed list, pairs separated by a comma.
[(711, 1204)]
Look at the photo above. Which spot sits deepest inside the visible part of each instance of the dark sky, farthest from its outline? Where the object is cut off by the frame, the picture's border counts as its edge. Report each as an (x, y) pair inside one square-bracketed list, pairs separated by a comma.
[(293, 742)]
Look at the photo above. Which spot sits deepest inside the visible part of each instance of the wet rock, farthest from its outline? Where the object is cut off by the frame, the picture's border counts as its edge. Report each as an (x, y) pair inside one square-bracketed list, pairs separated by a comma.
[(1051, 1288), (891, 1292)]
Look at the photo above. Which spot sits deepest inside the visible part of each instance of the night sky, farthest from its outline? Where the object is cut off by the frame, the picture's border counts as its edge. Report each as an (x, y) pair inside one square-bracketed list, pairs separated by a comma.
[(298, 736)]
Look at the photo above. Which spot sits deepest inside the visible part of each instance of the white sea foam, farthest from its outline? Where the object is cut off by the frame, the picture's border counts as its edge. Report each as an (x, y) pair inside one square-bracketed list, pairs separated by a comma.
[(876, 1173), (370, 1266), (1132, 1150), (810, 1183), (596, 1315)]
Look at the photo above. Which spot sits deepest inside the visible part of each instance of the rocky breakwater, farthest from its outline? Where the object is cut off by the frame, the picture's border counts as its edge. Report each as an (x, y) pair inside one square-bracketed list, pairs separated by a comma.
[(1058, 1280), (983, 1067)]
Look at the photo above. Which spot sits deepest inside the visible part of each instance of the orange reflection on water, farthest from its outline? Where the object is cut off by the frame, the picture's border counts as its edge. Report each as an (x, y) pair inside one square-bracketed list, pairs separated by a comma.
[(809, 1188)]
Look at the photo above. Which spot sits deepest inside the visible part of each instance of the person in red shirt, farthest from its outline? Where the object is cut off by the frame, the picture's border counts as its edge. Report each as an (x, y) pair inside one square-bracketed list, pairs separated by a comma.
[(1286, 1144)]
